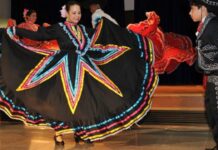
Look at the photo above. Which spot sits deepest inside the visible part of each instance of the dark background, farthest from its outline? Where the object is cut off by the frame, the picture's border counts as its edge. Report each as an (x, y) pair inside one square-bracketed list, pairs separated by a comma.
[(173, 13)]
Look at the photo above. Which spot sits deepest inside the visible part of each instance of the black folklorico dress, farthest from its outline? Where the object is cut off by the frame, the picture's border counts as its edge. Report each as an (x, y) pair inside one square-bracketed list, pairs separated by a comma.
[(95, 86)]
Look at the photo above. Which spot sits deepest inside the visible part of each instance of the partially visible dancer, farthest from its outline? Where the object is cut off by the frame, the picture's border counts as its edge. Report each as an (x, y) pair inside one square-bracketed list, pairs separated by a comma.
[(205, 12), (95, 7), (170, 49), (30, 18)]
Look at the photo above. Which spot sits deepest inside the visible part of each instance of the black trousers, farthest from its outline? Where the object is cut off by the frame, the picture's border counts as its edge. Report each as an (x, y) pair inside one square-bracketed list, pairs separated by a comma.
[(211, 105)]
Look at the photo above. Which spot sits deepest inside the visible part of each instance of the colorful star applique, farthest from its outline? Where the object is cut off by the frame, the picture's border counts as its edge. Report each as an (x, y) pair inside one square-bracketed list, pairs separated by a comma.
[(55, 62)]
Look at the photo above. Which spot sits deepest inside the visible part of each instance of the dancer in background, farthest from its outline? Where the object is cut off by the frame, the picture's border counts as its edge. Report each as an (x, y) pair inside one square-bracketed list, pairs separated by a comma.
[(30, 18), (95, 7), (97, 84), (205, 12)]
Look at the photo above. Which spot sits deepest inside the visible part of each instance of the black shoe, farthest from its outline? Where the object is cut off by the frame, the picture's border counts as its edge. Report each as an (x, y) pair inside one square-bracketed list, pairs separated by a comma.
[(77, 138), (214, 148), (61, 143), (88, 141)]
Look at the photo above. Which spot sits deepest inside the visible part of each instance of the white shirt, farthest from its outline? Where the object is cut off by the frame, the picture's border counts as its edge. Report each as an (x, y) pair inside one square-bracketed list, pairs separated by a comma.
[(100, 13)]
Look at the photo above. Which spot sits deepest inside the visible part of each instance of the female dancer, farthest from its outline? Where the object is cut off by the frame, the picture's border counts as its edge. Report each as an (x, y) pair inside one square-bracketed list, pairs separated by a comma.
[(170, 49), (30, 17), (97, 84)]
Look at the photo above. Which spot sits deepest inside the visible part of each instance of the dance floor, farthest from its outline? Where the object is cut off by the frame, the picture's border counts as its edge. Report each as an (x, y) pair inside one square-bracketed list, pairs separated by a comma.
[(179, 98), (148, 137), (176, 122)]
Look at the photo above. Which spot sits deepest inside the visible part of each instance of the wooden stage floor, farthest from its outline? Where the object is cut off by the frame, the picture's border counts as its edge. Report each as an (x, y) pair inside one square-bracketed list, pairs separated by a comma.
[(179, 98), (148, 137)]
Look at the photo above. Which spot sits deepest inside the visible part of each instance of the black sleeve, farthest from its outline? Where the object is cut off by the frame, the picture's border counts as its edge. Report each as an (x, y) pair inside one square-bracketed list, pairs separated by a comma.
[(43, 33), (197, 68), (90, 31)]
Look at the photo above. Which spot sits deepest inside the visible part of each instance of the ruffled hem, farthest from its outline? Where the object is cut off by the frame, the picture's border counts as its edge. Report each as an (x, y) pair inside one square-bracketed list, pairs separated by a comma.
[(94, 132), (172, 58)]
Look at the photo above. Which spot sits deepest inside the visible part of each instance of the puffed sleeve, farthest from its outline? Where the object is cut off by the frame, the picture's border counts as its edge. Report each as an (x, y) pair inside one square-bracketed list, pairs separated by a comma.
[(43, 33)]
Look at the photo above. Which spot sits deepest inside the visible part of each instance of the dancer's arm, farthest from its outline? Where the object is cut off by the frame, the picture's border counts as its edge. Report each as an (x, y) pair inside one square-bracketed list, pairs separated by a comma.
[(48, 33)]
